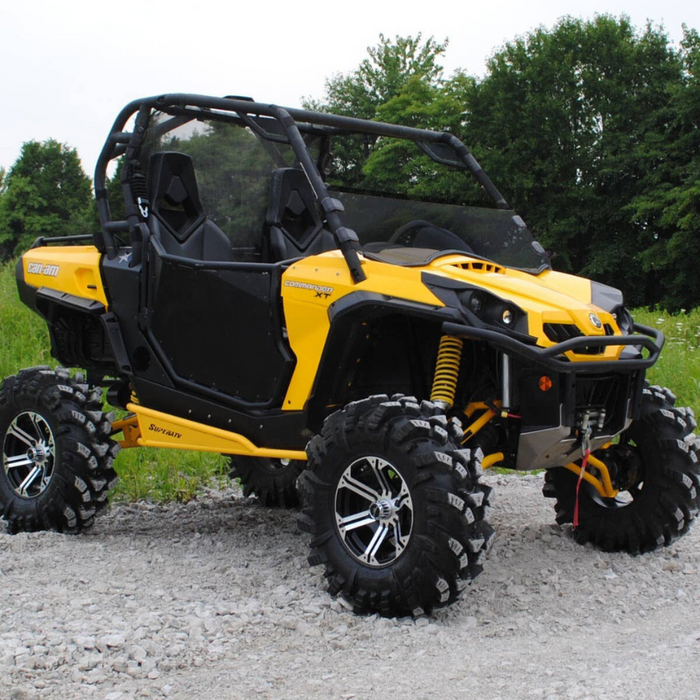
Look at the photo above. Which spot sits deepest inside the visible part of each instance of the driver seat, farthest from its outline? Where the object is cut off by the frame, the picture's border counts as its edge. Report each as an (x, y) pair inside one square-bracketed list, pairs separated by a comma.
[(293, 226)]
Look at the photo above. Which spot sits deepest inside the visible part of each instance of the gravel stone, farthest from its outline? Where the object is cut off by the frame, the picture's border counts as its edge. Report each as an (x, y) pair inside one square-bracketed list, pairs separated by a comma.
[(214, 599)]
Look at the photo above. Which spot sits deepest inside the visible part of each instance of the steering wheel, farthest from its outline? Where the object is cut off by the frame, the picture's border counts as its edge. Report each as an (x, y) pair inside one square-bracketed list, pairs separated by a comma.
[(410, 226)]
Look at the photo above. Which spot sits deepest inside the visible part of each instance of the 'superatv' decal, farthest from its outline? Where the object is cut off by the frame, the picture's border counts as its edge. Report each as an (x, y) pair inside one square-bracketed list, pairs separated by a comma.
[(163, 431)]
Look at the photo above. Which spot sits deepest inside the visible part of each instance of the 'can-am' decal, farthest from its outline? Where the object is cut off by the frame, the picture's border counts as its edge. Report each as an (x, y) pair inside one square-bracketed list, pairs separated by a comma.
[(35, 268)]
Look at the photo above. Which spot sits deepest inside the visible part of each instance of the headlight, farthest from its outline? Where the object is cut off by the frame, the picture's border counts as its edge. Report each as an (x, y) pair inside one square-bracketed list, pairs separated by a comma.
[(476, 304), (494, 311)]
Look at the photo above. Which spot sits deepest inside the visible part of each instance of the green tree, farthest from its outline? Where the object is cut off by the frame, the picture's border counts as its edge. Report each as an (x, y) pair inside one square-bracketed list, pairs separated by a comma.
[(400, 166), (3, 219), (668, 209), (590, 130), (115, 192), (563, 117), (390, 67), (45, 193)]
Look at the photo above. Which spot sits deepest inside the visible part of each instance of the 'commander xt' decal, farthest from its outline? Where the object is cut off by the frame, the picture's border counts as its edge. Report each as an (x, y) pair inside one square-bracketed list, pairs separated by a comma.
[(321, 291)]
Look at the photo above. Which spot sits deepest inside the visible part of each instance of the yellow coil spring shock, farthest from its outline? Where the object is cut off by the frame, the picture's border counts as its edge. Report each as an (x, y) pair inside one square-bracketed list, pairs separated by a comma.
[(446, 371)]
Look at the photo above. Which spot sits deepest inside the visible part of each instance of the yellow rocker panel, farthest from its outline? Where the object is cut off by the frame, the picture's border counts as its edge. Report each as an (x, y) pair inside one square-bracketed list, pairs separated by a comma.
[(149, 428)]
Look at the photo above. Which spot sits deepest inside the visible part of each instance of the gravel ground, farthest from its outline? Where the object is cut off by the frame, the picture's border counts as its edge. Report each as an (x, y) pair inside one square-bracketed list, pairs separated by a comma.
[(214, 600)]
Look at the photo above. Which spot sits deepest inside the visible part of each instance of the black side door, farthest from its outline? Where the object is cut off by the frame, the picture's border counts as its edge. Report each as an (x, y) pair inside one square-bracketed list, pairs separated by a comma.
[(217, 328)]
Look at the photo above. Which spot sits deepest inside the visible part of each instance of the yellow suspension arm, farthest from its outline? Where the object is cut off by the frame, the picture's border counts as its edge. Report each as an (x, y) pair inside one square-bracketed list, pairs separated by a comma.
[(130, 427), (492, 459), (603, 485)]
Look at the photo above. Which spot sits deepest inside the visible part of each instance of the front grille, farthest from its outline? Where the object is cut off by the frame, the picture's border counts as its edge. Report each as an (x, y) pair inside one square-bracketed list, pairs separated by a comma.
[(597, 391), (559, 332), (609, 392)]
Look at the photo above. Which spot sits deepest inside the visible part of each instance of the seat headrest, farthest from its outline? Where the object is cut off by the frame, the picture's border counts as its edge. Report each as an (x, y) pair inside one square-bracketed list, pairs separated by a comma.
[(173, 192), (292, 205)]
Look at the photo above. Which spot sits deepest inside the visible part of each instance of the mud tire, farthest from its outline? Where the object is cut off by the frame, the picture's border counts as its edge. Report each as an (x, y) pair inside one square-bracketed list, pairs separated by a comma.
[(449, 535), (272, 481), (83, 453), (661, 449)]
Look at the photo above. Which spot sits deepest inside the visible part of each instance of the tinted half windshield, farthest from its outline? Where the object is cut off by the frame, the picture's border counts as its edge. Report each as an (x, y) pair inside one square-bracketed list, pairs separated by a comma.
[(406, 194), (495, 234)]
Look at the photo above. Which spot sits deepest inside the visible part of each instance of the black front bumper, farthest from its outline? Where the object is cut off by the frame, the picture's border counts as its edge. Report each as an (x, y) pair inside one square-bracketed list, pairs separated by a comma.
[(552, 357), (547, 429)]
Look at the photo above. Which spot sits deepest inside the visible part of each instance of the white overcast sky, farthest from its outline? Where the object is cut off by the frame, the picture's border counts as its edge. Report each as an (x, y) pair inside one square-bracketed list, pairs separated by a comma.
[(67, 67)]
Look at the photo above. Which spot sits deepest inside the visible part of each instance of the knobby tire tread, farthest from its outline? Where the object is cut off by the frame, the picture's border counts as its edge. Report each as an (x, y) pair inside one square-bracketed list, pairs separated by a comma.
[(83, 473), (450, 537), (670, 498)]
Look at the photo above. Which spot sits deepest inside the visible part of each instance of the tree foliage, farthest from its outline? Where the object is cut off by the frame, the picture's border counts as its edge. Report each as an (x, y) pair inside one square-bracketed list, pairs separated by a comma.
[(390, 65), (668, 207), (591, 130), (565, 119), (391, 68), (399, 166), (45, 193)]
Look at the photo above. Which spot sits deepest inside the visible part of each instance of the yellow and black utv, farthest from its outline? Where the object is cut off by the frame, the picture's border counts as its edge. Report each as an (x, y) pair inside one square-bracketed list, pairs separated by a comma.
[(258, 289)]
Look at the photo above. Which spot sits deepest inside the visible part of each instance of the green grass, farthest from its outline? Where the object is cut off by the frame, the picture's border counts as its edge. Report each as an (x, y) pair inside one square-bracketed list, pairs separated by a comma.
[(679, 365), (24, 340), (168, 475)]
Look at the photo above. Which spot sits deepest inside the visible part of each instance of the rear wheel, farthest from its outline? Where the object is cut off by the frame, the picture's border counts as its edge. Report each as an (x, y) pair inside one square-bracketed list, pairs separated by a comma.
[(394, 506), (56, 452), (273, 481), (656, 468)]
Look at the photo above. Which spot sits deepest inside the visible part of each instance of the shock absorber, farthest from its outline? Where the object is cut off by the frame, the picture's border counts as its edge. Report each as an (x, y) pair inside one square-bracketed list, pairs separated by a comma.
[(446, 372)]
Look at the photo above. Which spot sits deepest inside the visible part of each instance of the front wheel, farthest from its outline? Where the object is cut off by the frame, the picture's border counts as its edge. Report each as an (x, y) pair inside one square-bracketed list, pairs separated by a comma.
[(655, 466), (394, 506)]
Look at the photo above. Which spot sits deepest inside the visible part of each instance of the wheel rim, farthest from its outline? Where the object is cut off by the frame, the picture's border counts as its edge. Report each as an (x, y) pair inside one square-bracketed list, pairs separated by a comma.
[(627, 473), (373, 511), (29, 454)]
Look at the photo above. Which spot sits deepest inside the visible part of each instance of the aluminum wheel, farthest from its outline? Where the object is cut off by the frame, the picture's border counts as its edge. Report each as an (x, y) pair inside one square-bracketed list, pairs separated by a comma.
[(373, 511), (29, 454)]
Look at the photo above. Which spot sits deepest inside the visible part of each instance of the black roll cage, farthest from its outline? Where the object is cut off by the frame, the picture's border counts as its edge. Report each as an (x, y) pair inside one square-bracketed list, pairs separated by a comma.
[(293, 123)]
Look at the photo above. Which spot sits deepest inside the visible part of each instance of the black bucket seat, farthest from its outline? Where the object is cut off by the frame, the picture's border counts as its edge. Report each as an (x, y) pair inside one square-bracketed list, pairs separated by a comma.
[(177, 215), (293, 225)]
